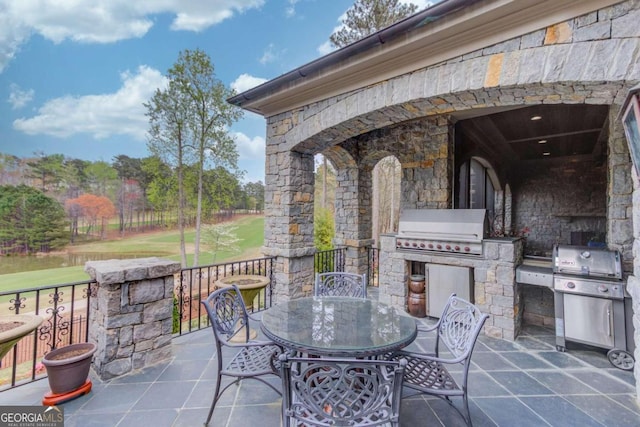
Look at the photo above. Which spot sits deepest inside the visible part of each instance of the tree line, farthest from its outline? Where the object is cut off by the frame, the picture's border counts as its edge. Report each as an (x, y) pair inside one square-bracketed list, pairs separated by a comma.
[(49, 201)]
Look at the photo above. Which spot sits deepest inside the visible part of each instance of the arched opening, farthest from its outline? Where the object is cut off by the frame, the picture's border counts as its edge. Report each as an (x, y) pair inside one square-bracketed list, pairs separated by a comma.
[(386, 196), (324, 203)]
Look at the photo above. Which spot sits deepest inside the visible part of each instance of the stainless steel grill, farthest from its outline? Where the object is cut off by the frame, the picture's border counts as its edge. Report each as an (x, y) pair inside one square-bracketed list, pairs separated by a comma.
[(458, 231), (589, 299)]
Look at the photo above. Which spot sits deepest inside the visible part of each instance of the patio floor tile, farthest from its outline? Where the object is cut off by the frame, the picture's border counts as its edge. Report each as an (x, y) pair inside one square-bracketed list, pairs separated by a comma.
[(522, 383)]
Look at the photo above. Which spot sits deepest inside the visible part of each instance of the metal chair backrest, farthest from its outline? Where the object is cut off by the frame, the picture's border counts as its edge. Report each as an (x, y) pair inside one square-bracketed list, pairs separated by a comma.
[(227, 313), (340, 392), (341, 284), (459, 327)]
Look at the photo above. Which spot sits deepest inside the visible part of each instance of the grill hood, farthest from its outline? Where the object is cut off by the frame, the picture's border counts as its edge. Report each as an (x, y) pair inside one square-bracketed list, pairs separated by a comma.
[(442, 230), (587, 261), (464, 225)]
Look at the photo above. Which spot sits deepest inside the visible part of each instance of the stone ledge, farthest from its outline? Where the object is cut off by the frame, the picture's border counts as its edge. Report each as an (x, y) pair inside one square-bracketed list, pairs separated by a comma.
[(116, 271)]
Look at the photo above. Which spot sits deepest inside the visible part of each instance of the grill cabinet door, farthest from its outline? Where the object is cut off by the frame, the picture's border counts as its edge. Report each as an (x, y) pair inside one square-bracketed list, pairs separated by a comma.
[(443, 280), (588, 320)]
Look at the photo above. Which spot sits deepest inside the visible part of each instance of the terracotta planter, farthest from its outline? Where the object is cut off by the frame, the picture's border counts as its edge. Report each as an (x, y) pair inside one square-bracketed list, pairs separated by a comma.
[(68, 367), (417, 283)]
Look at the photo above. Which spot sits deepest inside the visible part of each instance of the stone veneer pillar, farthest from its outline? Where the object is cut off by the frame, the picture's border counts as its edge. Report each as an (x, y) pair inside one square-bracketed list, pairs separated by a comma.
[(131, 313)]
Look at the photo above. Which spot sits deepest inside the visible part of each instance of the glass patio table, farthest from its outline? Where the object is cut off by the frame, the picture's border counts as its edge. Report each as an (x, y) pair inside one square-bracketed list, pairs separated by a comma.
[(338, 326)]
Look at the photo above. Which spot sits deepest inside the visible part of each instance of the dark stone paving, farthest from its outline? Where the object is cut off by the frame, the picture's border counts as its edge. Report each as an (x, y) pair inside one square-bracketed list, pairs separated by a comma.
[(521, 383)]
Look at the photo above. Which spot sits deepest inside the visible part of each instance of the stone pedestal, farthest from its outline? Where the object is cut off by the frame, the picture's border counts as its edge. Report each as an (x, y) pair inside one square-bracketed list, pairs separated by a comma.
[(131, 313)]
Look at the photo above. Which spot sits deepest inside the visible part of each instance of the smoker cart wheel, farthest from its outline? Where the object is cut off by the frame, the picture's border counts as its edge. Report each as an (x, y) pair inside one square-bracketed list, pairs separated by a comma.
[(621, 359), (560, 348)]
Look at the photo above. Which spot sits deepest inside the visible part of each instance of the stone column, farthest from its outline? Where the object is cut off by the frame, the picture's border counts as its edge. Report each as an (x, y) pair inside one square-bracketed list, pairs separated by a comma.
[(353, 214), (289, 220), (131, 313), (392, 273)]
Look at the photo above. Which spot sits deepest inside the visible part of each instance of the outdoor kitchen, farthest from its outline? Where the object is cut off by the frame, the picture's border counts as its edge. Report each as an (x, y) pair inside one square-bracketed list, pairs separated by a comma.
[(514, 111)]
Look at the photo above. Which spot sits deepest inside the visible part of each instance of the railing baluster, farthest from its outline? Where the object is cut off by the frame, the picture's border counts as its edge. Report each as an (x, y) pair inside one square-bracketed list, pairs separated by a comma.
[(60, 322)]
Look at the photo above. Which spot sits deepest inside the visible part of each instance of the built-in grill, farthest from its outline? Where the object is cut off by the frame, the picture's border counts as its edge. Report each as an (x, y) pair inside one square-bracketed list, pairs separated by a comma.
[(442, 230), (589, 300)]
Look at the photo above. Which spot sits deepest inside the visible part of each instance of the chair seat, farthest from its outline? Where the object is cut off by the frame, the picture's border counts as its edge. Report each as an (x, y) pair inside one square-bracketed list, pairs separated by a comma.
[(428, 376), (254, 360)]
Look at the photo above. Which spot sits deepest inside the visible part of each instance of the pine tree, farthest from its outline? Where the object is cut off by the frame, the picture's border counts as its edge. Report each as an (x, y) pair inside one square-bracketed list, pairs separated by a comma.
[(366, 17)]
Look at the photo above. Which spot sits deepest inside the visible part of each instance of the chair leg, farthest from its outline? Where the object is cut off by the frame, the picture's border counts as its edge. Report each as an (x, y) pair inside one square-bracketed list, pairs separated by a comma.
[(215, 400), (465, 406)]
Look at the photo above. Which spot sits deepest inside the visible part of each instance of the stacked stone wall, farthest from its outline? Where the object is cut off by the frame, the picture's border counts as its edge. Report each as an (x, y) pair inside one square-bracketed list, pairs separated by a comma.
[(554, 202), (131, 313)]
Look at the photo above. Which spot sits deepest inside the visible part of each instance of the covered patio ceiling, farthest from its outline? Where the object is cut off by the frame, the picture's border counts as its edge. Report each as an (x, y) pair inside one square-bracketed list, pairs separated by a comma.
[(538, 133)]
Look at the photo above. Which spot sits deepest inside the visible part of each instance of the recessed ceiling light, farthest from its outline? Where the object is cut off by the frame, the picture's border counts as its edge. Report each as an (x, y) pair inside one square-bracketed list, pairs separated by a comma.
[(546, 153), (542, 141), (534, 118)]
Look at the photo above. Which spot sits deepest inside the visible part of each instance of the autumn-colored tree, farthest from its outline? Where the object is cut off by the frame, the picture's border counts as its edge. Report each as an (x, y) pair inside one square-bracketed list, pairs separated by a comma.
[(92, 208)]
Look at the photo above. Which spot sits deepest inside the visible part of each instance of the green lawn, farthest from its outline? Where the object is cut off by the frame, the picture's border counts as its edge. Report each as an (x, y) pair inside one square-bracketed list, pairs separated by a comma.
[(164, 244)]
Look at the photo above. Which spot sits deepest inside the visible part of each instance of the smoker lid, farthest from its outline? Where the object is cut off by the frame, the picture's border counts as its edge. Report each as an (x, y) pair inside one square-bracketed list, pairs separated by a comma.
[(587, 261)]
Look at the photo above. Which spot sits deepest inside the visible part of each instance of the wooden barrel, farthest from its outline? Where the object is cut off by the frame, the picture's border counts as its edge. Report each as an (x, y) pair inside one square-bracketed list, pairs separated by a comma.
[(416, 283), (417, 304)]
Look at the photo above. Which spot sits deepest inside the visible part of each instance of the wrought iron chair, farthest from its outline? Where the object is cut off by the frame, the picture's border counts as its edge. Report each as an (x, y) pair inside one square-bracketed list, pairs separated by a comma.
[(340, 392), (340, 284), (458, 330), (253, 359)]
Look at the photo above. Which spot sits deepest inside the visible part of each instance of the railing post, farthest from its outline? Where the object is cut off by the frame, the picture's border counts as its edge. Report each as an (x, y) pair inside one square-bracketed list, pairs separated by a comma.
[(131, 313)]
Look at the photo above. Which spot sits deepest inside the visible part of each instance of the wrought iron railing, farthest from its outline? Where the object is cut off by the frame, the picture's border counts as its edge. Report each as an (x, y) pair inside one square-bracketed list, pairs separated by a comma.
[(331, 260), (65, 309), (196, 283), (372, 266)]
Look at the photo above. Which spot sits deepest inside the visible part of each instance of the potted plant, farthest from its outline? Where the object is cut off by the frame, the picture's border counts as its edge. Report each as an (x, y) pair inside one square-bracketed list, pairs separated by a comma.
[(68, 367)]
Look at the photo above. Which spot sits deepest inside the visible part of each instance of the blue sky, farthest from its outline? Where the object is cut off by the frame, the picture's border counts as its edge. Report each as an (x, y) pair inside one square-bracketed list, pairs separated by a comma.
[(74, 73)]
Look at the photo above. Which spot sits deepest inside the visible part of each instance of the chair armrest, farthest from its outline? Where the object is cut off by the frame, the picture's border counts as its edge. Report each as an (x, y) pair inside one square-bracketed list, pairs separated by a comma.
[(250, 343), (429, 357), (423, 328)]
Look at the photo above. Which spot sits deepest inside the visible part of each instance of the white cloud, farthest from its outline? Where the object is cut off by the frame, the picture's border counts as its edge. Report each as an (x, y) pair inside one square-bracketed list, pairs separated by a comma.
[(249, 148), (422, 4), (104, 21), (290, 11), (102, 115), (269, 55), (18, 98), (245, 82), (326, 48)]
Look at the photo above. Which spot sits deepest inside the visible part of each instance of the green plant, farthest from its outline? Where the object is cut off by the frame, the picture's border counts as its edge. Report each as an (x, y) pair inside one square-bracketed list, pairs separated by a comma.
[(324, 229)]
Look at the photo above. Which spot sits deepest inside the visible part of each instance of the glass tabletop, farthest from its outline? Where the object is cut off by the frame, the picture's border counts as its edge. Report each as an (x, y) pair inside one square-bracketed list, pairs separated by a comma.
[(338, 326)]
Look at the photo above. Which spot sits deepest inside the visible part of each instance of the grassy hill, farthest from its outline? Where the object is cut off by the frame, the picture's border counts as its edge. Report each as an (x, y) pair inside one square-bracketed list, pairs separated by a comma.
[(164, 244)]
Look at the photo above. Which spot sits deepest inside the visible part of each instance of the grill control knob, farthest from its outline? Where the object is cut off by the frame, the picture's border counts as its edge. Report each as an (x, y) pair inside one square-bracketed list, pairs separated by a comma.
[(603, 288), (457, 248), (430, 245), (571, 285), (467, 249), (439, 246), (398, 243), (422, 245), (406, 244), (448, 247), (415, 245)]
